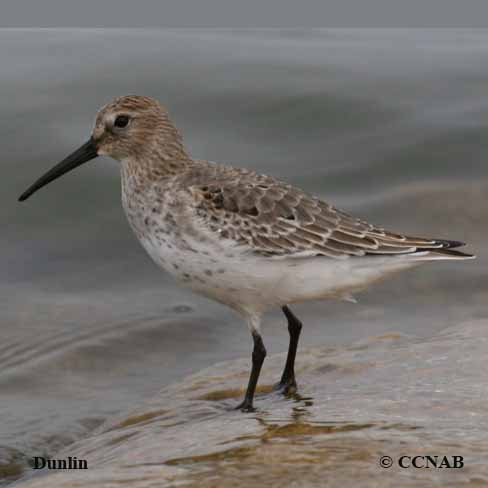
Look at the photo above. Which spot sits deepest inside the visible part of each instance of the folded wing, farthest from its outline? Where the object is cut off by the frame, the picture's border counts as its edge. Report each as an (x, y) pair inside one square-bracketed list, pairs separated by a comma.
[(274, 219)]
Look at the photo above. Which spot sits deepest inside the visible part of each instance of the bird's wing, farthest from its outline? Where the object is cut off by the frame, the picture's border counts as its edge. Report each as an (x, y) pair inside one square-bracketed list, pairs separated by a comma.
[(275, 219)]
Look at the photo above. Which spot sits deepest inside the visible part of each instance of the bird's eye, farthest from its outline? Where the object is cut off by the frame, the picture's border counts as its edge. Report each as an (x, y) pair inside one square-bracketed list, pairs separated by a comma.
[(121, 121)]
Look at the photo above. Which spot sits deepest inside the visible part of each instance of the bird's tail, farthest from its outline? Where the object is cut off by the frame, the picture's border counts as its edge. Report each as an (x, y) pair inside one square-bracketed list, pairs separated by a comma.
[(446, 253)]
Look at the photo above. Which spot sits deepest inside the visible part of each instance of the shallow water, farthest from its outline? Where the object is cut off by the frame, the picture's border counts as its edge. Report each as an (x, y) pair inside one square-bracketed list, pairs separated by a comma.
[(389, 395), (389, 125)]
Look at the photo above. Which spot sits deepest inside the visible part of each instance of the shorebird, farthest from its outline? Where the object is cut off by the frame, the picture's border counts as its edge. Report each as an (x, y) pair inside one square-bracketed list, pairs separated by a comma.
[(241, 238)]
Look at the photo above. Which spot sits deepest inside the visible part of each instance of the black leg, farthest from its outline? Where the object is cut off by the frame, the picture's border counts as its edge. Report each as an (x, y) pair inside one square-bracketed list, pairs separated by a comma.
[(258, 355), (287, 383)]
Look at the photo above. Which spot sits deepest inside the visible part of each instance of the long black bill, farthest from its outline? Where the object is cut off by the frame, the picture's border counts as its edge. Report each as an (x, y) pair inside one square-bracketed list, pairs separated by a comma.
[(82, 155)]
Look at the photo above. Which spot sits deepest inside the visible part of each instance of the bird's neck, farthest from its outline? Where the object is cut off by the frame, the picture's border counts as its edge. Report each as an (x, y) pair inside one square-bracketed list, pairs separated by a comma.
[(156, 164)]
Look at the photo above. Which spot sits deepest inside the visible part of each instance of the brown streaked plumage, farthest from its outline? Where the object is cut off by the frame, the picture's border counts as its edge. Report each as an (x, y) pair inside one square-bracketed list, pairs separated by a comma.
[(275, 219), (244, 239)]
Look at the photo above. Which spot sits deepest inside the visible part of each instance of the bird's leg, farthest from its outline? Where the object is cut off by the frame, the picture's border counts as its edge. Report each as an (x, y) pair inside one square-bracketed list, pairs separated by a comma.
[(258, 355), (287, 383)]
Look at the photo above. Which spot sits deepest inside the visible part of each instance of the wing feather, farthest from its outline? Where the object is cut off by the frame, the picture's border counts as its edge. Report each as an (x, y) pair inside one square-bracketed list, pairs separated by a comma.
[(272, 218)]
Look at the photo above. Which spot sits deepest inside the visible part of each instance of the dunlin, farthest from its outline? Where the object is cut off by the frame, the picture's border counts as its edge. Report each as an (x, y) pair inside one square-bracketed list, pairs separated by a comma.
[(247, 240)]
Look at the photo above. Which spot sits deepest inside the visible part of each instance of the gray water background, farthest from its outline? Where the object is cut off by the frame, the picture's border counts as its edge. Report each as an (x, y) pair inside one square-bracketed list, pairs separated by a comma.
[(390, 125)]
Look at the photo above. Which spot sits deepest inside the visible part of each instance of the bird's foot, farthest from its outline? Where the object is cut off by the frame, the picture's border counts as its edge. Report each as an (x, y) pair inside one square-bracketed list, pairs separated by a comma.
[(246, 406), (286, 386)]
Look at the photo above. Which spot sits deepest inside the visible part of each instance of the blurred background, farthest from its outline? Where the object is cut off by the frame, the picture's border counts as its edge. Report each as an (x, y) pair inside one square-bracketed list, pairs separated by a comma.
[(390, 125)]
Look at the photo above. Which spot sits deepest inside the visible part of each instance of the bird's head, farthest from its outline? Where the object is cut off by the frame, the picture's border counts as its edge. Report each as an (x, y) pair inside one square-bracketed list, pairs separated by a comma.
[(131, 128)]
